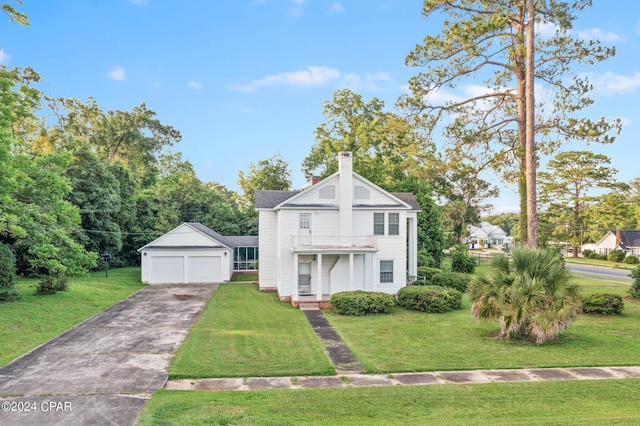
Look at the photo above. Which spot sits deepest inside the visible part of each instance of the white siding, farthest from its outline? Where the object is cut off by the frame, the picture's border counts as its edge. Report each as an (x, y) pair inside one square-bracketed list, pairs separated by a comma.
[(267, 229)]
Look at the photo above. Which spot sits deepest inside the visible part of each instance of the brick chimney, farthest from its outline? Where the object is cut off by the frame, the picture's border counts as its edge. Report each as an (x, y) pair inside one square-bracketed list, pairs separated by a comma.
[(345, 167), (315, 179), (618, 236)]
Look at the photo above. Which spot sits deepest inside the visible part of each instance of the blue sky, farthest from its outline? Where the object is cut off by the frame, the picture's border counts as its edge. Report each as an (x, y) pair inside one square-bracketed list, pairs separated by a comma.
[(243, 79)]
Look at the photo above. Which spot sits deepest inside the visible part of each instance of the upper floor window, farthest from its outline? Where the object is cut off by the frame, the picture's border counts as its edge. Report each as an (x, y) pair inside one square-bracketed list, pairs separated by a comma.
[(305, 220), (394, 223), (378, 224)]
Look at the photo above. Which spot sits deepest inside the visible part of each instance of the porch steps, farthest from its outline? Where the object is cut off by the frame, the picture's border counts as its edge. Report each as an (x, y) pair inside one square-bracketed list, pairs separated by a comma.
[(309, 306)]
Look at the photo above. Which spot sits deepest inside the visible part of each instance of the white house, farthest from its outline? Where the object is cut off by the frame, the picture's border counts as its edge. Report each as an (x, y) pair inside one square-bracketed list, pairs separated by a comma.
[(343, 233), (486, 235), (193, 253), (626, 240)]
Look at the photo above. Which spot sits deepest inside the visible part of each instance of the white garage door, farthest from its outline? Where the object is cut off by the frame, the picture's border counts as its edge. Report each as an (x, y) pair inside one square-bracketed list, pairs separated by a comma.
[(167, 269), (204, 269), (200, 269)]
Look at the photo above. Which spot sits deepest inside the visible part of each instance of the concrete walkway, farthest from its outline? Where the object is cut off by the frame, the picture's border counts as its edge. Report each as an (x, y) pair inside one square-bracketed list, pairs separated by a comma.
[(426, 378), (104, 370)]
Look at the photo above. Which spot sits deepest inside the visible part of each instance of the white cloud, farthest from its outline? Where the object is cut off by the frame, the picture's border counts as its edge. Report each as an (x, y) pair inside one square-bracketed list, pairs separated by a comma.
[(4, 57), (611, 83), (546, 30), (296, 9), (598, 34), (336, 8), (195, 85), (368, 81), (117, 74), (310, 77)]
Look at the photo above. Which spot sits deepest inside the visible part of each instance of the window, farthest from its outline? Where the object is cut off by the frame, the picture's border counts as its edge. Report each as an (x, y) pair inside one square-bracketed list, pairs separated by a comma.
[(378, 224), (394, 223), (245, 258), (386, 271), (305, 220)]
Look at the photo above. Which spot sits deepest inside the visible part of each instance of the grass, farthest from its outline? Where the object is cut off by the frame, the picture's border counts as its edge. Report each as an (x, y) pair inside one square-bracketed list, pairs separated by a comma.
[(541, 403), (244, 277), (410, 341), (246, 333), (32, 320)]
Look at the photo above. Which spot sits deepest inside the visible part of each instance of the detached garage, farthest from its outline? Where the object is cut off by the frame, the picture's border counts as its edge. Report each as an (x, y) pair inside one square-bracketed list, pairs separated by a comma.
[(191, 253)]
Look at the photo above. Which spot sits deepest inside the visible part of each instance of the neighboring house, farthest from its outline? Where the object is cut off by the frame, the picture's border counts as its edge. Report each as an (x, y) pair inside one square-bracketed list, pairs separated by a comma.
[(628, 241), (486, 236), (193, 253), (342, 233)]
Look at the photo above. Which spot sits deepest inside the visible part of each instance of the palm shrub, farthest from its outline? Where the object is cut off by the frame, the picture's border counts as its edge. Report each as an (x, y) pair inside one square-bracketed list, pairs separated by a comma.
[(532, 296)]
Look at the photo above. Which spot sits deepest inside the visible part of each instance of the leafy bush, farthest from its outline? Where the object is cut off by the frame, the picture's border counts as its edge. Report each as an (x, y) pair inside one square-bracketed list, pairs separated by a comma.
[(358, 303), (603, 304), (631, 260), (426, 259), (7, 273), (430, 298), (454, 280), (462, 262), (601, 257), (587, 252), (593, 255), (52, 284), (426, 273), (615, 256), (634, 291)]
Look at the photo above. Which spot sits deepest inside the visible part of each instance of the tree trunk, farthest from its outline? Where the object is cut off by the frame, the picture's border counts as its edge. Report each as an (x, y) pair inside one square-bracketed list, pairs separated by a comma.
[(530, 152), (521, 81)]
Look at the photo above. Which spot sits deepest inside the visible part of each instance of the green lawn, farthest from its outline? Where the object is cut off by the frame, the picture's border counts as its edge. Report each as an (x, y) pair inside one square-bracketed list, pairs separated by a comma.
[(32, 320), (410, 341), (246, 333), (606, 402)]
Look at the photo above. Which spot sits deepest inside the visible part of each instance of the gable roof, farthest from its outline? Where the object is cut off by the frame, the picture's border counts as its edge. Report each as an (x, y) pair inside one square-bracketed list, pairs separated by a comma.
[(269, 199), (628, 238), (221, 240)]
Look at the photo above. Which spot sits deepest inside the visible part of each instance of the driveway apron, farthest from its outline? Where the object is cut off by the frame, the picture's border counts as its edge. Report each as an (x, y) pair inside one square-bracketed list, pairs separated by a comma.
[(104, 370)]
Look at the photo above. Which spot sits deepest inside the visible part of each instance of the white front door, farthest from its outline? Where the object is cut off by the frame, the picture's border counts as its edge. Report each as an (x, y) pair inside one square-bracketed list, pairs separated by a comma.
[(304, 278)]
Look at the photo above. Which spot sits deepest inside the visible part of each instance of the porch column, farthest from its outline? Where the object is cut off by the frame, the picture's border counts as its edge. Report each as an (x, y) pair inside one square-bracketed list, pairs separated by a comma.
[(319, 278), (351, 271), (294, 290), (412, 251)]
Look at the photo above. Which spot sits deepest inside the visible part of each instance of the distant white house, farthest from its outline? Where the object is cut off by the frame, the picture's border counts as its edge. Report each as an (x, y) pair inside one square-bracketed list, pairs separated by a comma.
[(193, 253), (626, 240), (487, 236), (342, 233)]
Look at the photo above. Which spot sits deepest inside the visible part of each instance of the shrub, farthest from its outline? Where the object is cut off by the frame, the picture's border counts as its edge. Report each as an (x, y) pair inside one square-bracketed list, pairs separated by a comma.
[(586, 252), (593, 255), (52, 284), (634, 291), (426, 273), (454, 280), (631, 260), (426, 259), (601, 257), (462, 262), (615, 256), (7, 273), (358, 303), (430, 298), (603, 304)]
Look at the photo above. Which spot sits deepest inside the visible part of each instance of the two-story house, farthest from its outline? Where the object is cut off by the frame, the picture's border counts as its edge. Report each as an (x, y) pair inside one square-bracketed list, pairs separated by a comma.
[(342, 233)]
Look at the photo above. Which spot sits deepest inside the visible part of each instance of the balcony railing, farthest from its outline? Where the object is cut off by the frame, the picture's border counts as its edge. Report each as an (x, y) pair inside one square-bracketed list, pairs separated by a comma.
[(309, 243)]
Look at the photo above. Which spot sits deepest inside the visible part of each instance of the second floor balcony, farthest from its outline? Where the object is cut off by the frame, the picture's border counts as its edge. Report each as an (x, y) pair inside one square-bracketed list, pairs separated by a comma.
[(345, 244)]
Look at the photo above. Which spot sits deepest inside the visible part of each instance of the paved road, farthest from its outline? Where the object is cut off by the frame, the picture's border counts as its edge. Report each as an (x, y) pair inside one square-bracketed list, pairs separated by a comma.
[(618, 274), (103, 371)]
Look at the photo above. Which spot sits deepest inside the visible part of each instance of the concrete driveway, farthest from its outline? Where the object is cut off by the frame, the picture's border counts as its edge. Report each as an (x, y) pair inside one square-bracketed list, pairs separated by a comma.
[(104, 370)]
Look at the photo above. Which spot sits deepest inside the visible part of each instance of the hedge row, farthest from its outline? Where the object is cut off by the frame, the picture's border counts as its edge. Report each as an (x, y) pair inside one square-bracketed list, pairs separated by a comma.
[(603, 304), (430, 298), (358, 303)]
